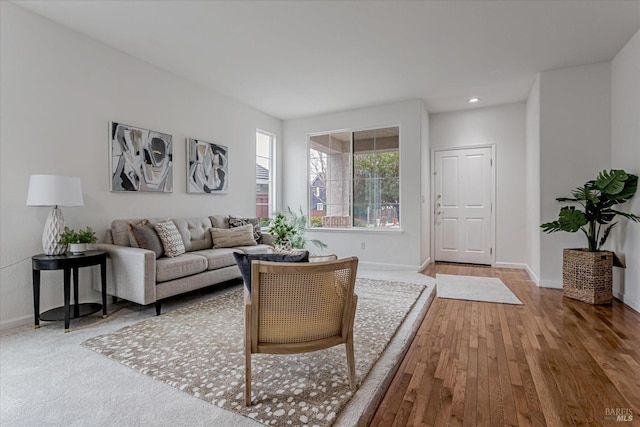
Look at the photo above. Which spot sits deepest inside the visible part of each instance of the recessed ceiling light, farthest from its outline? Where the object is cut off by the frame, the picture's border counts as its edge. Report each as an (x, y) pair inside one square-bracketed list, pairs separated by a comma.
[(473, 100)]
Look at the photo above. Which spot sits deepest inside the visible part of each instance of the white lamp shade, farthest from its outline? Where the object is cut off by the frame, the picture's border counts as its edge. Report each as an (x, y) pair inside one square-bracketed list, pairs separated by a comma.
[(54, 190)]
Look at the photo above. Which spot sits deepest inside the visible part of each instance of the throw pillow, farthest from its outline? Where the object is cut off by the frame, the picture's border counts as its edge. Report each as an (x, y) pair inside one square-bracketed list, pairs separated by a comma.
[(145, 237), (239, 222), (244, 262), (171, 238), (132, 239), (232, 237)]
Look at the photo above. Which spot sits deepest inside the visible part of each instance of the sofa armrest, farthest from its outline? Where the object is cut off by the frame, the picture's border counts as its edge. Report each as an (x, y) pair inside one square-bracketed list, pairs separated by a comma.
[(131, 273)]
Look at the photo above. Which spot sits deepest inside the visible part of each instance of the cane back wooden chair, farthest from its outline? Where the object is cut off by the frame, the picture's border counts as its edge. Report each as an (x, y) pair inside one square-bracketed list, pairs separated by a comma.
[(298, 308)]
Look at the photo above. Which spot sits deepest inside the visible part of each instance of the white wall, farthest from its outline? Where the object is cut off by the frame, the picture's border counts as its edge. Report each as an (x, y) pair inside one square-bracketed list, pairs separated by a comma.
[(575, 144), (425, 220), (532, 182), (59, 90), (389, 248), (503, 126), (625, 154)]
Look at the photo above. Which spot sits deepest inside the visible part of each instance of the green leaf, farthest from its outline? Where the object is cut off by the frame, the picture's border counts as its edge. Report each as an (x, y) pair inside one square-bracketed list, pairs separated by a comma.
[(611, 182), (570, 220), (584, 193), (630, 216), (630, 187), (551, 227)]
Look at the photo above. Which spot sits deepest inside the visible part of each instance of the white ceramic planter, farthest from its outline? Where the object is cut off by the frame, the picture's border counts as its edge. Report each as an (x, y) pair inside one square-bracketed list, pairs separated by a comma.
[(77, 248)]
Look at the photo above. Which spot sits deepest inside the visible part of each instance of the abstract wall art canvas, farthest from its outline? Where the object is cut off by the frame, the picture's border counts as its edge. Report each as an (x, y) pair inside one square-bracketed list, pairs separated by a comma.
[(207, 167), (141, 159)]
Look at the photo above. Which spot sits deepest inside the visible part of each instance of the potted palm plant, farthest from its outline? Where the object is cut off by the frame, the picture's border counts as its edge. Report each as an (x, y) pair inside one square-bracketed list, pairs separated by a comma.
[(587, 274)]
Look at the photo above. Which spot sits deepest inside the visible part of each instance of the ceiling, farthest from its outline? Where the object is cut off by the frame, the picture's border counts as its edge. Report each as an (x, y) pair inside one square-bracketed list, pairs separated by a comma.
[(294, 59)]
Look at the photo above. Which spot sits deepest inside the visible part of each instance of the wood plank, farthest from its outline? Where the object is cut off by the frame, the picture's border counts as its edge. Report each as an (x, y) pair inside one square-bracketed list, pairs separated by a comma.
[(550, 362)]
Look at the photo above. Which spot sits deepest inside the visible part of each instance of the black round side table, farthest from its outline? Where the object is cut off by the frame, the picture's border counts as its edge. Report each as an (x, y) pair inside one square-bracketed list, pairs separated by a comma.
[(68, 262)]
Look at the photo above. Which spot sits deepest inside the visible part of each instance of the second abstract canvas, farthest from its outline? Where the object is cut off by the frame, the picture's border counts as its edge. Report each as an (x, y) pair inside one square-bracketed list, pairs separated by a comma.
[(207, 167)]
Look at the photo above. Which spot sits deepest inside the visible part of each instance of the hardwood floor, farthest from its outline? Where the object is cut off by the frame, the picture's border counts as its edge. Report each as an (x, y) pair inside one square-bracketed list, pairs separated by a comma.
[(552, 361)]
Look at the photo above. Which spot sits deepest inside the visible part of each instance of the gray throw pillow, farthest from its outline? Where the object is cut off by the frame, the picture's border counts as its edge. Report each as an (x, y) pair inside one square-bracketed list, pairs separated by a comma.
[(146, 238), (244, 262)]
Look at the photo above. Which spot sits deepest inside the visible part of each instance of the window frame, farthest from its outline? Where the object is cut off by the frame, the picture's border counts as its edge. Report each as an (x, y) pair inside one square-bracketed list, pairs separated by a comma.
[(351, 228), (272, 170)]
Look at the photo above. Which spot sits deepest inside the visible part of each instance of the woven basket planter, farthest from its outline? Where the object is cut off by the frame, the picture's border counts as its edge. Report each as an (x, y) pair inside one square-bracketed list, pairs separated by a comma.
[(588, 276)]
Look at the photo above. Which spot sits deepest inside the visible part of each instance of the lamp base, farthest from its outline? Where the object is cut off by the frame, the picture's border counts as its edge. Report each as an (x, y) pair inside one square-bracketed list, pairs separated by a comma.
[(53, 229)]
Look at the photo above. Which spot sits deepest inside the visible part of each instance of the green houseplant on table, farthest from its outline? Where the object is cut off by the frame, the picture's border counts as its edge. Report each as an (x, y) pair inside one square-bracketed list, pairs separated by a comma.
[(288, 228), (587, 273), (77, 240)]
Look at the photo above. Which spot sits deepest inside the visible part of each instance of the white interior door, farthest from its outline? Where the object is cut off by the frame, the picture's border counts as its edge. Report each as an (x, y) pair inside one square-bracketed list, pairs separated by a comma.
[(463, 205)]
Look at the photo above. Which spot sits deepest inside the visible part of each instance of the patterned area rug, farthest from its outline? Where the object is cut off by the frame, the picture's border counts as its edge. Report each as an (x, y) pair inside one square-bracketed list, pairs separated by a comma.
[(473, 288), (199, 350)]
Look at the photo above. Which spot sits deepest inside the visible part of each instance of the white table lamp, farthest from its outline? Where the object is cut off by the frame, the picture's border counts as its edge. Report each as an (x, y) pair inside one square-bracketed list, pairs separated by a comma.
[(54, 190)]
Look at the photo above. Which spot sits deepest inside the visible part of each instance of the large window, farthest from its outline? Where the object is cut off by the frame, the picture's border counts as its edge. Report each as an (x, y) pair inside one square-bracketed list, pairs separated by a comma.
[(265, 173), (354, 179)]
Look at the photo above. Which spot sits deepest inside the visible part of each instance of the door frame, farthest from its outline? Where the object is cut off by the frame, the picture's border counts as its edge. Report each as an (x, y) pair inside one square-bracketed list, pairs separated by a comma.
[(432, 198)]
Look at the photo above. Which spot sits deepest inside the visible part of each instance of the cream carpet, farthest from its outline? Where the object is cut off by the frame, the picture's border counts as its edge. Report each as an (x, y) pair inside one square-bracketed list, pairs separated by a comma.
[(199, 350), (472, 288)]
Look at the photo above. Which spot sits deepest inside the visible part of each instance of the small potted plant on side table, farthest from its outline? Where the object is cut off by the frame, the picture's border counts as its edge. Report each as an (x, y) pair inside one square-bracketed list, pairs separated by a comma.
[(587, 274), (77, 241)]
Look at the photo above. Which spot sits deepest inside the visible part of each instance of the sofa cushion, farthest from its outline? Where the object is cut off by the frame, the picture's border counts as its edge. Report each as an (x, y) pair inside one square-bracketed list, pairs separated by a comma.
[(217, 258), (232, 237), (177, 267), (171, 238), (144, 236), (195, 233), (239, 222), (219, 221), (244, 262)]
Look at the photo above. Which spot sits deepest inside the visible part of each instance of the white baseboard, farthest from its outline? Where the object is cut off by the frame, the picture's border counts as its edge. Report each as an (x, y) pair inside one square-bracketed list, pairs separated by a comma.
[(516, 265), (425, 264), (16, 321), (367, 265), (533, 276), (550, 284), (635, 305)]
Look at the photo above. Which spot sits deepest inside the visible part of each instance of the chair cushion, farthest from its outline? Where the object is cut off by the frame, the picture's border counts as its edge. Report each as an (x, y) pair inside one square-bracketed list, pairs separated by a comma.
[(312, 257), (244, 262), (178, 267), (232, 237), (239, 222), (171, 238), (257, 249), (144, 236)]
